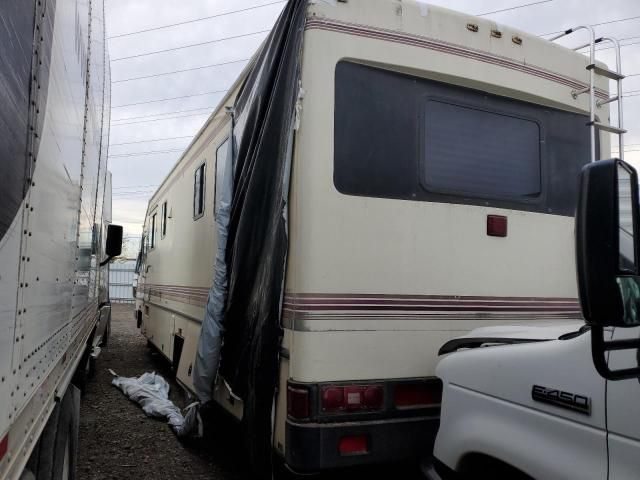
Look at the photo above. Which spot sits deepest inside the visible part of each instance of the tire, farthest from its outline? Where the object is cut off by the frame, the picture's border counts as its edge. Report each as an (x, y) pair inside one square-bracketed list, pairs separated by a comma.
[(55, 455)]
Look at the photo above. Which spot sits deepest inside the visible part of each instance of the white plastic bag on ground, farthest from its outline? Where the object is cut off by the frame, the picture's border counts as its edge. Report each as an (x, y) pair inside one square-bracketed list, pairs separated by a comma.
[(151, 391)]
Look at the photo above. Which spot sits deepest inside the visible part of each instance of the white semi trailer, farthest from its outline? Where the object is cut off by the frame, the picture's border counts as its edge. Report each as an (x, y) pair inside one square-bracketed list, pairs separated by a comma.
[(55, 232)]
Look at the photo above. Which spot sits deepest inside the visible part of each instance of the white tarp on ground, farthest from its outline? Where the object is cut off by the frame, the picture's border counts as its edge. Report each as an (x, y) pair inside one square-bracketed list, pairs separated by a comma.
[(151, 391)]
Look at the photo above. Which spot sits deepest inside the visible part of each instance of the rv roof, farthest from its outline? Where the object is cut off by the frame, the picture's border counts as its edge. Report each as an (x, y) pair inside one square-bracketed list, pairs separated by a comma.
[(415, 17)]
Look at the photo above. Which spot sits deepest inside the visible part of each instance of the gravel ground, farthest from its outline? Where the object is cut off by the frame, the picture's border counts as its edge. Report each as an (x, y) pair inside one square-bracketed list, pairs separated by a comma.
[(117, 440)]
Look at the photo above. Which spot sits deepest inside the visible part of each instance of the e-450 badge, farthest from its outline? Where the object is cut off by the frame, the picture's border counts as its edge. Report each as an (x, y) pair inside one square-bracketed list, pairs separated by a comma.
[(562, 399)]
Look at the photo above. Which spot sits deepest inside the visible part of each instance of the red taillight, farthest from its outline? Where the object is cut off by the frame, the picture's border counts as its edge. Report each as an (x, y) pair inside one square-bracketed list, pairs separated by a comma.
[(496, 226), (374, 397), (4, 446), (336, 398), (354, 445), (416, 395), (333, 399), (298, 402)]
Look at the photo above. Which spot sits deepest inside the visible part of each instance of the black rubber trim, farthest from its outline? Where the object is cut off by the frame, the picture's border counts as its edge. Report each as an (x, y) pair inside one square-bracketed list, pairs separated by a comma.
[(458, 343), (434, 469)]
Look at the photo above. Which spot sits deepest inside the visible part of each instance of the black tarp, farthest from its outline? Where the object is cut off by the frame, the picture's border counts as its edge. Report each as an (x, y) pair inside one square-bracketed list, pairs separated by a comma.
[(257, 239), (246, 302)]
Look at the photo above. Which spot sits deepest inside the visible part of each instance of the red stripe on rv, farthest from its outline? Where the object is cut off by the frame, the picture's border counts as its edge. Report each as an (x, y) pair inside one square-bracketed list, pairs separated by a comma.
[(425, 42), (4, 446)]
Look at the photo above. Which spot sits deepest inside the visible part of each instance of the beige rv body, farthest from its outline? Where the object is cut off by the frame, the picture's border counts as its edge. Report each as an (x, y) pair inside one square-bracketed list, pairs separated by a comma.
[(347, 250)]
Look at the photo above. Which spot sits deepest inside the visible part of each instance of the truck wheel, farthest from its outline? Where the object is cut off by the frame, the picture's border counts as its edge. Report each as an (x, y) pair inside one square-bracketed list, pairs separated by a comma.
[(55, 455)]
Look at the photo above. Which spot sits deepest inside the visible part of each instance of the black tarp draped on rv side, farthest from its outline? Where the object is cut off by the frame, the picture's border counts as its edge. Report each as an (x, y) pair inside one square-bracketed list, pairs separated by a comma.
[(246, 296), (257, 243)]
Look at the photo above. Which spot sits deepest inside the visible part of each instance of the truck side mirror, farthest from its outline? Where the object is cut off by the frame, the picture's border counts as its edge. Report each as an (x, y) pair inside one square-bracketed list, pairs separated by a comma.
[(113, 247), (607, 238)]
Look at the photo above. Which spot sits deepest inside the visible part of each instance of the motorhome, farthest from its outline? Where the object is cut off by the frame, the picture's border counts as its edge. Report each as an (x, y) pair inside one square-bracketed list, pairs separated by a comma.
[(55, 215), (427, 166)]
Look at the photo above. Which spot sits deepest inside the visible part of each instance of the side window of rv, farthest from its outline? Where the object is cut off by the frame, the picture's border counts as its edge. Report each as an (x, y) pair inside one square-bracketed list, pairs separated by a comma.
[(163, 219), (198, 192), (152, 235), (221, 164)]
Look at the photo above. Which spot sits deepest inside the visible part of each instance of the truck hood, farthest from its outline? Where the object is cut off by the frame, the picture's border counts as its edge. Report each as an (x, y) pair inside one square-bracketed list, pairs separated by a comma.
[(512, 334)]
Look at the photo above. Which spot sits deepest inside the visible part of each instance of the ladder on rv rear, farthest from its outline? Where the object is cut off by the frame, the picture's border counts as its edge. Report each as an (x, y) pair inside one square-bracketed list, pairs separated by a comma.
[(615, 75)]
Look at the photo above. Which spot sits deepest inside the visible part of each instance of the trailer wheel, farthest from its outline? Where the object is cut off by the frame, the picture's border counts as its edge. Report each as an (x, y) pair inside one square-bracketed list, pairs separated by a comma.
[(55, 455)]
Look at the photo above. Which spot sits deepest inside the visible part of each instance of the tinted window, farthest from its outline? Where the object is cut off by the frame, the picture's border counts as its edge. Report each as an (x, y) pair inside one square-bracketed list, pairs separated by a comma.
[(153, 231), (398, 136), (198, 192), (163, 219), (479, 152)]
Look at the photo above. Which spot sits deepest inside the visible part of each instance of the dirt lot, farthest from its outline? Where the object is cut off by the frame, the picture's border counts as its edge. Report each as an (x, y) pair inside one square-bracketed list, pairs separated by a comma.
[(118, 441)]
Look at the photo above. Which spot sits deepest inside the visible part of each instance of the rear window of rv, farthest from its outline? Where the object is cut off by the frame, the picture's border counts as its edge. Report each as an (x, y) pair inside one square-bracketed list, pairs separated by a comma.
[(479, 152), (404, 137)]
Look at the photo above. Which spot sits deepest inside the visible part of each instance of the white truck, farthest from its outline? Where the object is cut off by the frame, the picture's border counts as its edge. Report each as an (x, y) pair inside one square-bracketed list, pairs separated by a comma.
[(55, 231), (557, 402)]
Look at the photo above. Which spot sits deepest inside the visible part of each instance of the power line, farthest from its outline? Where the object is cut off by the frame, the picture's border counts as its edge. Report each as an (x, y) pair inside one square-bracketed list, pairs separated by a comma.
[(149, 152), (159, 119), (166, 113), (513, 8), (196, 20), (131, 194), (621, 46), (138, 195), (171, 98), (149, 141), (134, 186), (189, 46), (180, 71), (595, 25)]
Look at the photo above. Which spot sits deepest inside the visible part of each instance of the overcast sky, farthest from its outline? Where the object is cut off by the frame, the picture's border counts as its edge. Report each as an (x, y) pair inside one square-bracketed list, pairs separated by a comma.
[(135, 177)]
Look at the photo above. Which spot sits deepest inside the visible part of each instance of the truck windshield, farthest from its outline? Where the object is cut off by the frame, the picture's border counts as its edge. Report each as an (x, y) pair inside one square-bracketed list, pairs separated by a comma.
[(398, 136)]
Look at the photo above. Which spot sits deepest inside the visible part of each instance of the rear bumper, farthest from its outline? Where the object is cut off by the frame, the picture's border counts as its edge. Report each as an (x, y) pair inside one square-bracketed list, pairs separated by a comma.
[(312, 447)]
